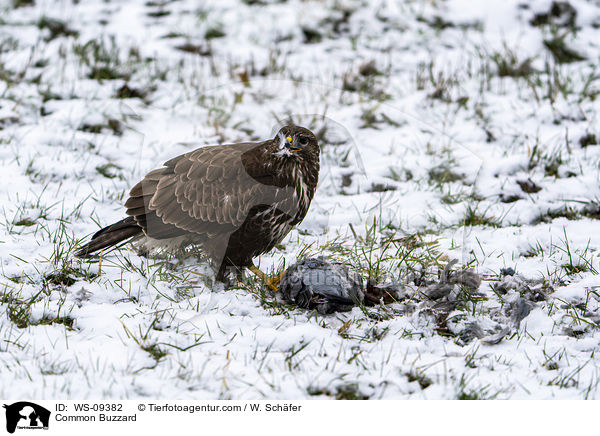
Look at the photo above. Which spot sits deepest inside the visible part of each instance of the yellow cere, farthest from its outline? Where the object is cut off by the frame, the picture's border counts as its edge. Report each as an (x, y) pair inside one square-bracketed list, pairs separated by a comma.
[(289, 139)]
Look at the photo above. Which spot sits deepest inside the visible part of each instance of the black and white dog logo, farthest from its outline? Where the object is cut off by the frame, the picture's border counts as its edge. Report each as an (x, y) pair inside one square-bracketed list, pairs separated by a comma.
[(26, 415)]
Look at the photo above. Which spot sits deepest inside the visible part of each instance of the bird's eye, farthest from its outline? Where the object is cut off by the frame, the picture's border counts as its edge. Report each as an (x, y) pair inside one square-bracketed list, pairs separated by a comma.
[(303, 140)]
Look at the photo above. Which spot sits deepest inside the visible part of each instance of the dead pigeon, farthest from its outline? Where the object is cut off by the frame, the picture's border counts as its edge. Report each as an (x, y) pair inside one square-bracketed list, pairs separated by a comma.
[(317, 284)]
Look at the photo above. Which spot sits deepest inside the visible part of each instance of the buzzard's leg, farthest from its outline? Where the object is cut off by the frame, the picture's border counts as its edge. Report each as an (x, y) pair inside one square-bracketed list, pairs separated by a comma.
[(271, 282), (100, 263), (229, 275)]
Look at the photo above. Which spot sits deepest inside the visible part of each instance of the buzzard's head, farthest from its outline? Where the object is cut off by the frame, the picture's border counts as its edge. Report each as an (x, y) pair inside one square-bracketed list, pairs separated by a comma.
[(296, 142)]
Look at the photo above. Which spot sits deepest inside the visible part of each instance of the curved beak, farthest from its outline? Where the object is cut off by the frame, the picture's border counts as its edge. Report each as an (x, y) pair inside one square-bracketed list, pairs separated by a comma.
[(292, 145)]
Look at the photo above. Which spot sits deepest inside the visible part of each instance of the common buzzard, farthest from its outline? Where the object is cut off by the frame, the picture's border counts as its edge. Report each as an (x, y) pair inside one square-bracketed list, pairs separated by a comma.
[(235, 201)]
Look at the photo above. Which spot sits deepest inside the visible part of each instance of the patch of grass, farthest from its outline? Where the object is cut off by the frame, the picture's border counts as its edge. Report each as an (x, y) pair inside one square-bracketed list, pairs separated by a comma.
[(370, 118), (67, 321), (18, 311), (442, 174), (374, 118), (529, 186), (155, 351), (67, 276), (471, 394), (379, 255), (567, 212), (465, 392), (442, 84), (127, 91), (215, 32), (508, 64), (587, 140), (347, 391), (509, 198), (265, 297), (61, 278), (10, 119), (551, 166), (14, 279), (22, 3), (419, 377), (561, 52), (450, 198), (19, 314), (112, 125), (437, 22), (103, 58), (158, 13), (473, 217), (569, 380), (56, 28), (579, 261), (350, 392), (55, 368), (367, 80), (198, 49), (579, 311), (560, 14), (109, 170), (63, 273), (173, 35), (380, 187), (26, 222), (551, 161), (158, 3), (534, 250), (591, 210), (311, 35), (369, 69), (400, 175), (105, 72), (558, 81)]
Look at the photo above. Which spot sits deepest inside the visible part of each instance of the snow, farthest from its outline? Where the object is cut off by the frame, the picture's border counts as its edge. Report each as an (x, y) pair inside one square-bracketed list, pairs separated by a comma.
[(434, 133)]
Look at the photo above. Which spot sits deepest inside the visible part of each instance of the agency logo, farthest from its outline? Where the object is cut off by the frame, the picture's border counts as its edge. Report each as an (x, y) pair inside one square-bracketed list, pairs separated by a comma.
[(26, 415)]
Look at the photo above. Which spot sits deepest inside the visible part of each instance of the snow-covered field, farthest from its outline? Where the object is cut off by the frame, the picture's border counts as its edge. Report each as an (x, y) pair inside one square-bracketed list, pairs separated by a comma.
[(455, 129)]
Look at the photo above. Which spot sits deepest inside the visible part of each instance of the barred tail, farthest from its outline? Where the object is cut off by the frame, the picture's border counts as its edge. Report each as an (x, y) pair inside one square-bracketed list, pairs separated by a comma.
[(110, 235)]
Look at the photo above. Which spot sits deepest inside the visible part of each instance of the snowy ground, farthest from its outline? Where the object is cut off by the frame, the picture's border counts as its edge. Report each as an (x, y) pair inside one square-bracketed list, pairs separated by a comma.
[(449, 130)]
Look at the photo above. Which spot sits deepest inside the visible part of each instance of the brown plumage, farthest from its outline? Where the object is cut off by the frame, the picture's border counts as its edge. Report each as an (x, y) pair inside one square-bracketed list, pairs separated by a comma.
[(235, 201)]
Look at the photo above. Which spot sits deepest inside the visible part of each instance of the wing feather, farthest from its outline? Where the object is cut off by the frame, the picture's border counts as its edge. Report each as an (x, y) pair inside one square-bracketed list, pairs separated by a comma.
[(207, 192)]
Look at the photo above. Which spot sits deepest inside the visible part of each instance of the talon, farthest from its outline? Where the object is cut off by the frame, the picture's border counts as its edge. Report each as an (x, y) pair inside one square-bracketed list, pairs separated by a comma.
[(271, 282), (100, 263), (276, 280)]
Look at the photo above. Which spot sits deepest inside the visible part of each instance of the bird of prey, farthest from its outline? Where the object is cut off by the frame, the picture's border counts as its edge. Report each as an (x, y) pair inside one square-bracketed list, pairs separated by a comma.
[(234, 201)]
